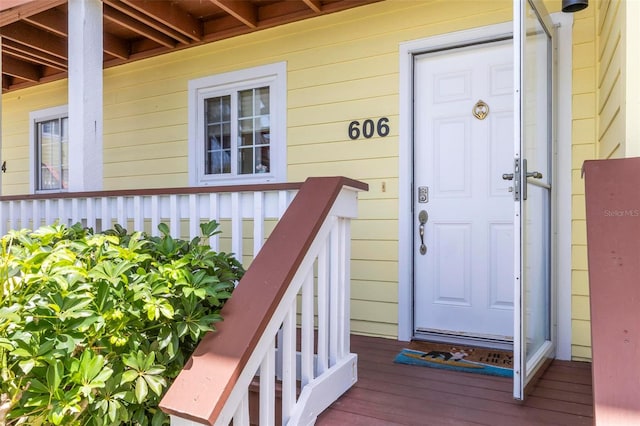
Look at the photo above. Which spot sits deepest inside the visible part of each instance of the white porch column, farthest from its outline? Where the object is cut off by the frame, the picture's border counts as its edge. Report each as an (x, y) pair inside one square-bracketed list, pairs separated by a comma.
[(85, 95)]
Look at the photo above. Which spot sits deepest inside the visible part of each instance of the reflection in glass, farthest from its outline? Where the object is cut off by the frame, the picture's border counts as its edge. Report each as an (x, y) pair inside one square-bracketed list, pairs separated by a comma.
[(52, 153), (536, 223), (218, 134), (254, 131)]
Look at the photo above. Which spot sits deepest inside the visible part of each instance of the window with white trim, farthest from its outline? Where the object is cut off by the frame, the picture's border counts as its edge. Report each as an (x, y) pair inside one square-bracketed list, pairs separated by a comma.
[(237, 127), (50, 149)]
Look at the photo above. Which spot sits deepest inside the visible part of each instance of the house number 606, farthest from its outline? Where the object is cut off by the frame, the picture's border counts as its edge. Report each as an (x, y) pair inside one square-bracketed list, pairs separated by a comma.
[(369, 128)]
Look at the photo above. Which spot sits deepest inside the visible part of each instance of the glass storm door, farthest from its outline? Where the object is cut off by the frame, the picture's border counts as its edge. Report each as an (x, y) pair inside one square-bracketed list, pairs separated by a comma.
[(533, 301)]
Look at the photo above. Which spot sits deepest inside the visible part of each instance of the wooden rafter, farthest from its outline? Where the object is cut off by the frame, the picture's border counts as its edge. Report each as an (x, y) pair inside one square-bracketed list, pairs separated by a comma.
[(115, 46), (30, 54), (243, 11), (171, 15), (136, 26), (148, 20), (314, 5), (25, 9), (20, 69), (52, 20), (35, 38)]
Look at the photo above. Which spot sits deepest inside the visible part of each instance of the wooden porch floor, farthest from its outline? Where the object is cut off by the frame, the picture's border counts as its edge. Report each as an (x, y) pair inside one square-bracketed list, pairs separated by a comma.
[(396, 394)]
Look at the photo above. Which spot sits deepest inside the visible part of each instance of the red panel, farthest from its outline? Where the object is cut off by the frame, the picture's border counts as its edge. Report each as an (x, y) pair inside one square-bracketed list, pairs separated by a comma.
[(613, 236)]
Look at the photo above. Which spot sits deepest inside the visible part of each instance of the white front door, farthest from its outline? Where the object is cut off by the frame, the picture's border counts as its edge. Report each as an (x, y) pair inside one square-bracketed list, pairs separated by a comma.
[(462, 207)]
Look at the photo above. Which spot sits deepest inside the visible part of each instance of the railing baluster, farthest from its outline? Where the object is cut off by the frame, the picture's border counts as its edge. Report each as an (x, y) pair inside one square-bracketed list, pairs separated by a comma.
[(105, 222), (334, 295), (91, 213), (241, 416), (155, 215), (35, 214), (121, 214), (174, 216), (258, 221), (75, 211), (322, 363), (283, 202), (62, 213), (214, 214), (48, 209), (138, 213), (194, 216), (268, 387), (24, 217), (306, 344), (346, 277), (12, 215), (236, 226), (289, 363)]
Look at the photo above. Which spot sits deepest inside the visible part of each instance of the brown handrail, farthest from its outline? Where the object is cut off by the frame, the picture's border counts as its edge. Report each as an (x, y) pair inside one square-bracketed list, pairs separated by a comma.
[(156, 191), (202, 388)]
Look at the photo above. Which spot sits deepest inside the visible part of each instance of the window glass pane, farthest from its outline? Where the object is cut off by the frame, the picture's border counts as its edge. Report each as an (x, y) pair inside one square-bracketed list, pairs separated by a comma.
[(64, 140), (218, 135), (246, 132), (254, 130), (245, 161), (262, 160), (262, 101), (52, 154), (245, 103)]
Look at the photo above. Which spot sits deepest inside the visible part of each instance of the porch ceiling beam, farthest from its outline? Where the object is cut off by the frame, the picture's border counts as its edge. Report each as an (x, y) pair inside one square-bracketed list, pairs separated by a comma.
[(148, 20), (20, 69), (314, 5), (138, 27), (245, 12), (115, 46), (5, 82), (35, 38), (17, 13), (33, 55), (52, 20), (171, 15)]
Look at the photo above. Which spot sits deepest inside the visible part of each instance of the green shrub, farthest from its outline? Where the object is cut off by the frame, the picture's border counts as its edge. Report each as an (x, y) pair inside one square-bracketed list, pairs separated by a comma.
[(93, 327)]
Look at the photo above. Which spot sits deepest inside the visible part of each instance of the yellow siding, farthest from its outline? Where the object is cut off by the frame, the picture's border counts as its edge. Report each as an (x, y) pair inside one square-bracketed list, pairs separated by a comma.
[(611, 85), (583, 148), (15, 131)]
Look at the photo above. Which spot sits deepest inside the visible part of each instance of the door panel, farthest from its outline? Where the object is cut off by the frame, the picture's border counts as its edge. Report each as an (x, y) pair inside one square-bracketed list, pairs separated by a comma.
[(464, 282)]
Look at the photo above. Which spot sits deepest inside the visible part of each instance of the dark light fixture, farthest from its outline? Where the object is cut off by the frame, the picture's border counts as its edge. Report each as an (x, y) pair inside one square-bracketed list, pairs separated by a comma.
[(571, 6)]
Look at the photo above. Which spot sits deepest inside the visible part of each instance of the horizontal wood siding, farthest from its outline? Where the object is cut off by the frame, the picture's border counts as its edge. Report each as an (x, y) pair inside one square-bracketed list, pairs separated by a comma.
[(584, 125), (611, 79), (16, 107)]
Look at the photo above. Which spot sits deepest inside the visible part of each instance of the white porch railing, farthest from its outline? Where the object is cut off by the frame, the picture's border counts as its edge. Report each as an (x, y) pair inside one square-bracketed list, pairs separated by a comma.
[(296, 285), (311, 302), (183, 209)]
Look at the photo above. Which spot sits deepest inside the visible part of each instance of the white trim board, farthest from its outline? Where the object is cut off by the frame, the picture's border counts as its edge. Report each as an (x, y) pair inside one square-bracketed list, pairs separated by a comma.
[(563, 182)]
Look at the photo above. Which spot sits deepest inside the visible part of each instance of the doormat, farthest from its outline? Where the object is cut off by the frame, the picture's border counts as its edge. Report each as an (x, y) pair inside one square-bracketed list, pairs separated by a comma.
[(494, 362)]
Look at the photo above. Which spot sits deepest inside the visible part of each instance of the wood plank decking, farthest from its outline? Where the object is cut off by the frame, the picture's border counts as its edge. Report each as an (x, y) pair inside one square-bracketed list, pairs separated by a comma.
[(395, 394)]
